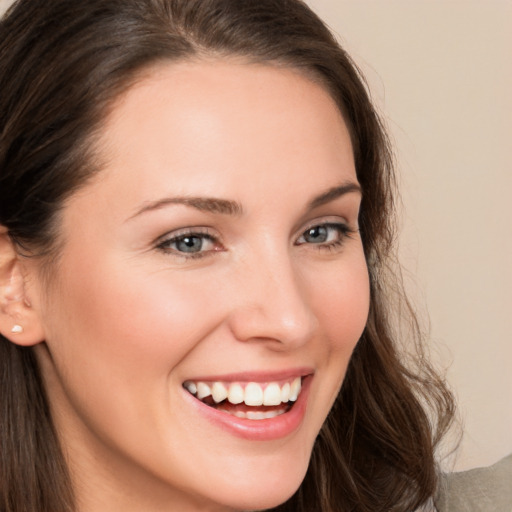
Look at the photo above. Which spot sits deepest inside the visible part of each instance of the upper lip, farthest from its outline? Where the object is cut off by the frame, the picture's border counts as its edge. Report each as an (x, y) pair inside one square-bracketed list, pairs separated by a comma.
[(256, 376)]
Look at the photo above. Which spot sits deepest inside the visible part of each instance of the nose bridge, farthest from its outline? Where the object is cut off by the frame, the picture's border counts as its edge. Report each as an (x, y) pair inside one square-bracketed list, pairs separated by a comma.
[(272, 302)]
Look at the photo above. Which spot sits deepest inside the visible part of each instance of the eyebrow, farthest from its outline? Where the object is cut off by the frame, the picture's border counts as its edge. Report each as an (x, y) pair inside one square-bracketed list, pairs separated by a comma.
[(334, 193), (229, 207), (205, 204)]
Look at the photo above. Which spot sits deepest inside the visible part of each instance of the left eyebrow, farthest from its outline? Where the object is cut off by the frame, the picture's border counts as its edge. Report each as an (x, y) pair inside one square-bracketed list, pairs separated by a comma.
[(334, 193)]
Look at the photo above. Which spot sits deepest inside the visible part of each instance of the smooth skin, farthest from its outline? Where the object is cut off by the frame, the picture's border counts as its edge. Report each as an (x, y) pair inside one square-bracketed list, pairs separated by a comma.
[(152, 289)]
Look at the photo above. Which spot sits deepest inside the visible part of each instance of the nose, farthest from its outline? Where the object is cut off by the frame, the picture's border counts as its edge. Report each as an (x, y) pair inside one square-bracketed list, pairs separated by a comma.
[(271, 304)]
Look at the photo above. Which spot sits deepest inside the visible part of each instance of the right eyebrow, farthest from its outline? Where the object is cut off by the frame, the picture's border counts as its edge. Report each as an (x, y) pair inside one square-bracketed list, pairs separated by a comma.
[(205, 204)]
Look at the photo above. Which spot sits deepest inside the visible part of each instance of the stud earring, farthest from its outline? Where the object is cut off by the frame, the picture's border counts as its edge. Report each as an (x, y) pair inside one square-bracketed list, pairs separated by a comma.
[(17, 329)]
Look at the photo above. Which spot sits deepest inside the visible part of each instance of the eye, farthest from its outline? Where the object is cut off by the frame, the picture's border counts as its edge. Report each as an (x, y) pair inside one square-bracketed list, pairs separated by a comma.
[(189, 244), (327, 235)]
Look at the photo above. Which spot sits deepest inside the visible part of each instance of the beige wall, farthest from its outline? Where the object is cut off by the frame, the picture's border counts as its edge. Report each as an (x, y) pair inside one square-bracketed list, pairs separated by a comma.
[(441, 73)]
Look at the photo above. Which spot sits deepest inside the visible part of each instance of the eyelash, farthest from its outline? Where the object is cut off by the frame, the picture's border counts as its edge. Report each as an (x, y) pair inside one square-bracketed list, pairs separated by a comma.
[(343, 232), (200, 233), (164, 245)]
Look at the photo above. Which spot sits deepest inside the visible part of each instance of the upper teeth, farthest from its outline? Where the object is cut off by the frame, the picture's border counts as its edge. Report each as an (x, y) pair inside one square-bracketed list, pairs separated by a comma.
[(253, 393)]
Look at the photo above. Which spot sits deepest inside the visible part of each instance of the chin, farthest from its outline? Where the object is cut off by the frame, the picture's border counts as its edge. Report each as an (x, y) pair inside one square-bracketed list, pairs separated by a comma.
[(263, 494), (260, 481)]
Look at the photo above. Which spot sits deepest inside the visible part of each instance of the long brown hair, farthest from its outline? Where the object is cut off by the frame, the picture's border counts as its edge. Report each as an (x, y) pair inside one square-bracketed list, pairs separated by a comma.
[(62, 65)]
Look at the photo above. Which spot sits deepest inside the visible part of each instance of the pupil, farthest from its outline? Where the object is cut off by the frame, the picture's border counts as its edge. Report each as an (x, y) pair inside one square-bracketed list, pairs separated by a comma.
[(317, 234), (189, 244)]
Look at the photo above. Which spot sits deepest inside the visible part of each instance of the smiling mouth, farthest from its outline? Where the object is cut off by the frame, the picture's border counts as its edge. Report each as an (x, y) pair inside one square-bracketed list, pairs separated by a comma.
[(249, 400)]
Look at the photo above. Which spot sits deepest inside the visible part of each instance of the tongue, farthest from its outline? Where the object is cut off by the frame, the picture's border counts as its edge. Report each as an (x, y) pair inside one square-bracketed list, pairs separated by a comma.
[(246, 408), (232, 408)]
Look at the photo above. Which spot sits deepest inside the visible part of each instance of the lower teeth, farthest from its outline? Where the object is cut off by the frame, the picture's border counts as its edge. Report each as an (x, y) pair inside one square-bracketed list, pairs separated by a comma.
[(255, 415), (241, 410)]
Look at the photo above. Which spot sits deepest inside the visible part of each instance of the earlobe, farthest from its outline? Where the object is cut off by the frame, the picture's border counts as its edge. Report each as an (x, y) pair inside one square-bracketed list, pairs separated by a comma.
[(19, 321)]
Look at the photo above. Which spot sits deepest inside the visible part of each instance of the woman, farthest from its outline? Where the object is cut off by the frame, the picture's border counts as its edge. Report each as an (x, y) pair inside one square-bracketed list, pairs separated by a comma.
[(196, 208)]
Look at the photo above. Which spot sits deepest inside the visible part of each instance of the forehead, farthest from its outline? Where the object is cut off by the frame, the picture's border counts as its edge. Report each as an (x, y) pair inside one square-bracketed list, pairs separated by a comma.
[(231, 86), (221, 125)]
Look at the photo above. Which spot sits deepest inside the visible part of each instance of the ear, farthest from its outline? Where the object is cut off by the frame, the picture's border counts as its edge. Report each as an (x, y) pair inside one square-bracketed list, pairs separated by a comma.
[(19, 321)]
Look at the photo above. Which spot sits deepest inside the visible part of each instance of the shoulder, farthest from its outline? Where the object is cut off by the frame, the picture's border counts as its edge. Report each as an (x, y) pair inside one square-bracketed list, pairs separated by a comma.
[(477, 490)]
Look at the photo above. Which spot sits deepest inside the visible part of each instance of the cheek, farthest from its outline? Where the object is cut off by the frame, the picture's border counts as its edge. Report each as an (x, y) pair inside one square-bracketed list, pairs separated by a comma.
[(341, 302), (117, 335), (139, 320), (340, 299)]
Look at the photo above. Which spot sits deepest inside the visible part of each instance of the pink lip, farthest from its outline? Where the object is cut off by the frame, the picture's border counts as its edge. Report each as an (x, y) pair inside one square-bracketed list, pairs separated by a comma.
[(256, 430)]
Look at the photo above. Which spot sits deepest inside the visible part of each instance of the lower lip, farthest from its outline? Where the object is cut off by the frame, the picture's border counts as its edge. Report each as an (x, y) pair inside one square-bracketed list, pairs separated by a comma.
[(258, 430)]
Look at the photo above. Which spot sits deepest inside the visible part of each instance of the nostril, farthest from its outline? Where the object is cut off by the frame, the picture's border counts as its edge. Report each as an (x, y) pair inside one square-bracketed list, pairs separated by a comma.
[(270, 302)]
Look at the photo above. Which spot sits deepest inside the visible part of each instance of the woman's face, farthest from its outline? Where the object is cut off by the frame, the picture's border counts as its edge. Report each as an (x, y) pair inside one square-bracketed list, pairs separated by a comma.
[(218, 252)]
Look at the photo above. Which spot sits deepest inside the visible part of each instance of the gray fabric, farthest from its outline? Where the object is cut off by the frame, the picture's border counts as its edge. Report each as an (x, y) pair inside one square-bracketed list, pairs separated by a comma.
[(478, 490)]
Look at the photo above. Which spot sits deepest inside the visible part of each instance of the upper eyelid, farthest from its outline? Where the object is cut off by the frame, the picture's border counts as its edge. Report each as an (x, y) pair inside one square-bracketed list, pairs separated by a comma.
[(178, 233), (324, 221), (207, 231), (342, 226)]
